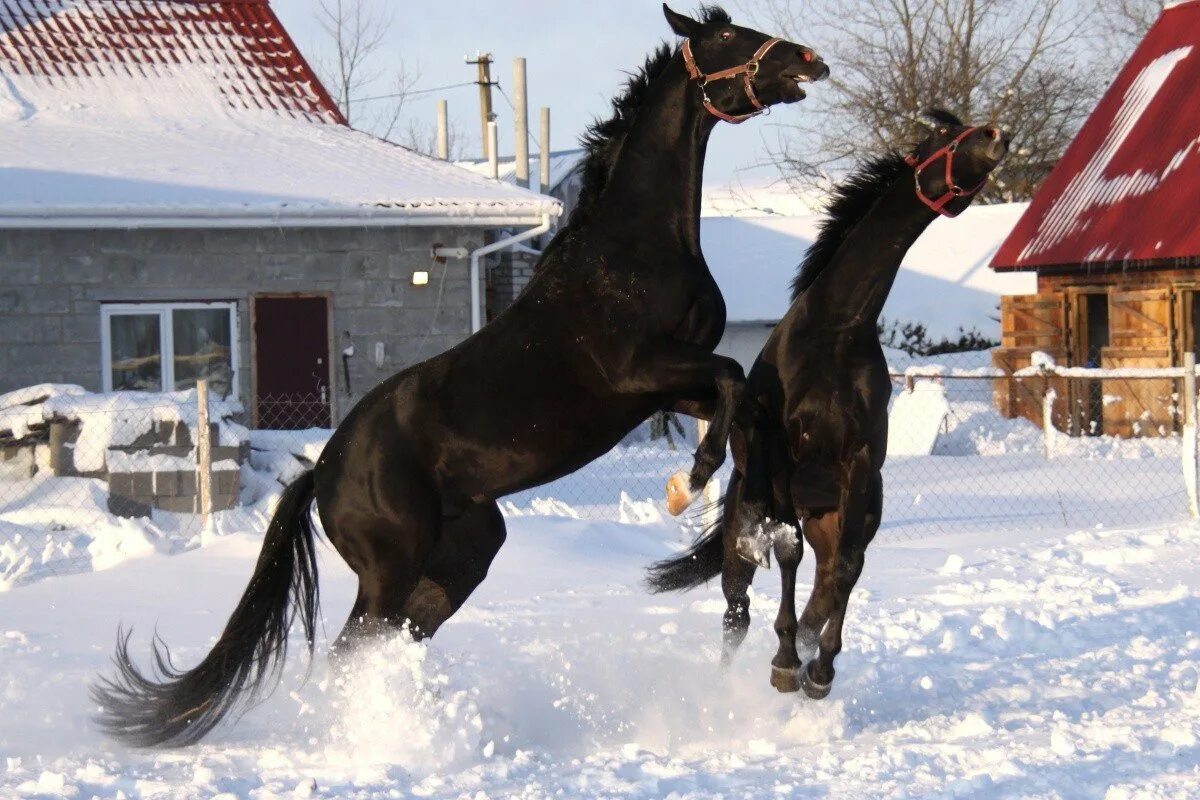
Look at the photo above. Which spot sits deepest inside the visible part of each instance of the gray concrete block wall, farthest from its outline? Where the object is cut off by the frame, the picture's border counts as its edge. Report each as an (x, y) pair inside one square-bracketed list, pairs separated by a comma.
[(53, 283)]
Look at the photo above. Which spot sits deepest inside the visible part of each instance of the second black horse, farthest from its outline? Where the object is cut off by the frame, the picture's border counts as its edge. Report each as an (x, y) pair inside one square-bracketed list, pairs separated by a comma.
[(810, 436)]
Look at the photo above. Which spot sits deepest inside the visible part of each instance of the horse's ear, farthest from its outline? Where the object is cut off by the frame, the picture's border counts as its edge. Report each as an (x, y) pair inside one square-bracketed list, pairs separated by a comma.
[(683, 26), (942, 115)]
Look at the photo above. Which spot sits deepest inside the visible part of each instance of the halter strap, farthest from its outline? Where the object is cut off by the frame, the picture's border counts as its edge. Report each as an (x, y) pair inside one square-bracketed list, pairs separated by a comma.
[(747, 71), (953, 190)]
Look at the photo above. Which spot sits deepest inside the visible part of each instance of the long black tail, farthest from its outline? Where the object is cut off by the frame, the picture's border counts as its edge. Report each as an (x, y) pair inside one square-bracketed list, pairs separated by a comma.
[(696, 565), (174, 708)]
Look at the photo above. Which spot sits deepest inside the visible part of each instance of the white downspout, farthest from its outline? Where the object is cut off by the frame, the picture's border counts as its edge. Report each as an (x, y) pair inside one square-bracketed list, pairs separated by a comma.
[(477, 255)]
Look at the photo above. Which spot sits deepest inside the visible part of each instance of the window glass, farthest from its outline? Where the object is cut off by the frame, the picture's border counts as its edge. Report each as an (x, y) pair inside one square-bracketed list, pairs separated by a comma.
[(202, 348), (136, 352)]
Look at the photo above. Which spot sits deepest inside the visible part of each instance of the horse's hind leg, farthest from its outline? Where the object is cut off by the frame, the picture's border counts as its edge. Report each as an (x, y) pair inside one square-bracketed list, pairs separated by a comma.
[(736, 575), (470, 540), (785, 666), (386, 530)]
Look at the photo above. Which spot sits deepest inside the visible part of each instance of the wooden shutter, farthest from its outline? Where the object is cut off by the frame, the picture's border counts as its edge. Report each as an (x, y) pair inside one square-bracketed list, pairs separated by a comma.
[(1029, 323), (1034, 322)]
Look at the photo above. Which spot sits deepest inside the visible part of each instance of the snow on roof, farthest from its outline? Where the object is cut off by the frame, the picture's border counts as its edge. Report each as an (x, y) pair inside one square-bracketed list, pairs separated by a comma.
[(132, 112), (944, 282), (1119, 192), (563, 164)]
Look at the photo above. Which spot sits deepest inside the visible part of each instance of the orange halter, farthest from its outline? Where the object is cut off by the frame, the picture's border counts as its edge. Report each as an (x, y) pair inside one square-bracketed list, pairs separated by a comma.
[(747, 71)]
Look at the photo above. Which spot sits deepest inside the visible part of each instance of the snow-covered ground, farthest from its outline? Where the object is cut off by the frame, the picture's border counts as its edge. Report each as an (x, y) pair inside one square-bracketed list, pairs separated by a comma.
[(1055, 663)]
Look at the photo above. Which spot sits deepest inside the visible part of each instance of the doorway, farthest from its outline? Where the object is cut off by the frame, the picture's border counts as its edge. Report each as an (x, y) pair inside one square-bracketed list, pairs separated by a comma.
[(1096, 338), (291, 362)]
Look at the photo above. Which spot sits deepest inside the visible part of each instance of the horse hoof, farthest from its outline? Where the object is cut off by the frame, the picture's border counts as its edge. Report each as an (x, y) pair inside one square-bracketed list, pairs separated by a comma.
[(814, 690), (679, 493), (785, 679)]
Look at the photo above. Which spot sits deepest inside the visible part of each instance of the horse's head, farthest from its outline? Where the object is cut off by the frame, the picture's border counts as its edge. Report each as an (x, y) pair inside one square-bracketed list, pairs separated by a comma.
[(953, 163), (742, 71)]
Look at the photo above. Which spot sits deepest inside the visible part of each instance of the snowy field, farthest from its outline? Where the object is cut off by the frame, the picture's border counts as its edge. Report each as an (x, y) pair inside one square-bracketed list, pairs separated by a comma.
[(1015, 662), (1026, 628)]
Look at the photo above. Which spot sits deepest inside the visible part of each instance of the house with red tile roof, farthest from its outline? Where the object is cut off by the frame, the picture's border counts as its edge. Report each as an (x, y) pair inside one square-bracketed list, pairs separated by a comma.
[(180, 198)]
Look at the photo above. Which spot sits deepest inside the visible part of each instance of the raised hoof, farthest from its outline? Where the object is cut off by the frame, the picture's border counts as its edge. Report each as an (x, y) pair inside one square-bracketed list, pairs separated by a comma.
[(679, 493), (814, 690), (785, 679)]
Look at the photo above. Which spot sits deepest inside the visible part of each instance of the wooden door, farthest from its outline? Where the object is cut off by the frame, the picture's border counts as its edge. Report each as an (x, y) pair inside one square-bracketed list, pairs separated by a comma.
[(1142, 331), (291, 362)]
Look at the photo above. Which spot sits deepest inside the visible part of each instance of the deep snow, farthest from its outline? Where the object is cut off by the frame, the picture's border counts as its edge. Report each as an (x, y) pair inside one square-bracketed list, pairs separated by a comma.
[(1053, 664)]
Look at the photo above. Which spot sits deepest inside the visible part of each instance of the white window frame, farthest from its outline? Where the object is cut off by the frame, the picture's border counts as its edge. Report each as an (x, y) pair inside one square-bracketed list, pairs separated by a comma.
[(166, 340)]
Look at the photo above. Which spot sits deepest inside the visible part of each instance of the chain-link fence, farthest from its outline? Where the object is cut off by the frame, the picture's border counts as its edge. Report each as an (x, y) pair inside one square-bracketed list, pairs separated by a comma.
[(970, 449), (87, 480)]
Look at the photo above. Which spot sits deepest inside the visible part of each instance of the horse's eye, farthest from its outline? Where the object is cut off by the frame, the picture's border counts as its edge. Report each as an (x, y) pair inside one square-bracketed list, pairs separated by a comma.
[(726, 36), (943, 131)]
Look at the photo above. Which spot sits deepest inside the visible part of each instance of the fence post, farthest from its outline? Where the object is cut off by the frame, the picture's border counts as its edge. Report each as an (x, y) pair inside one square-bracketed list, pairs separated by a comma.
[(203, 454), (1049, 432), (1191, 461)]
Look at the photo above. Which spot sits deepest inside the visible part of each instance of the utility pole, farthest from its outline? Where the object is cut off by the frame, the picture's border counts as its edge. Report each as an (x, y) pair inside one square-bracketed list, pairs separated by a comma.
[(484, 80), (443, 130), (521, 115), (544, 152)]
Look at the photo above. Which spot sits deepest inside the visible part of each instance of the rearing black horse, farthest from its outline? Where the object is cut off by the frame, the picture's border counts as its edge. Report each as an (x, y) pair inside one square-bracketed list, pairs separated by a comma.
[(619, 320), (810, 437)]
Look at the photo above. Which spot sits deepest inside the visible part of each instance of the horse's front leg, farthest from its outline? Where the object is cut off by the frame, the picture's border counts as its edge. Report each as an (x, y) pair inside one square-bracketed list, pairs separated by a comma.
[(690, 374), (719, 410)]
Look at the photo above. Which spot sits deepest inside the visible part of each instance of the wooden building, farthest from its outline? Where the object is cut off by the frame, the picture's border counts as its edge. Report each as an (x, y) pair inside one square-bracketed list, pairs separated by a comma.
[(1113, 238)]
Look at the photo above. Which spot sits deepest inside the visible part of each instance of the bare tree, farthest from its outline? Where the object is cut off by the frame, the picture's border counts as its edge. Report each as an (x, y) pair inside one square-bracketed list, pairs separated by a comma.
[(422, 137), (357, 30), (1014, 62), (1125, 22)]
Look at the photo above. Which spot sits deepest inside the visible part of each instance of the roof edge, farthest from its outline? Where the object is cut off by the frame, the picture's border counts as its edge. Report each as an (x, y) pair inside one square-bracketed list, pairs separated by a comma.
[(139, 220), (1133, 265), (318, 86)]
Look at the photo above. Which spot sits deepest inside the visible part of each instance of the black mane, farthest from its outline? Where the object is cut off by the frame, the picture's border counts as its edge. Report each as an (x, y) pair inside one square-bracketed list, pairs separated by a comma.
[(603, 139), (851, 201)]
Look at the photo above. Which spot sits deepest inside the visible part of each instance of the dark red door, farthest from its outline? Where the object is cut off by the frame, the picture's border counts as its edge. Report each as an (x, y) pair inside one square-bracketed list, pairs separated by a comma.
[(291, 362)]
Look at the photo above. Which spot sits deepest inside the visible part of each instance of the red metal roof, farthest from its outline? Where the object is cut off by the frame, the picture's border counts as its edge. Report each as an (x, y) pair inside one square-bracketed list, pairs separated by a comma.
[(241, 43), (1127, 190)]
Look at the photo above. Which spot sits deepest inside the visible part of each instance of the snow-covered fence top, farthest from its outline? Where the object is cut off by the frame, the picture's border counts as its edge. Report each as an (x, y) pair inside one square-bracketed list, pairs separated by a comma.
[(116, 419)]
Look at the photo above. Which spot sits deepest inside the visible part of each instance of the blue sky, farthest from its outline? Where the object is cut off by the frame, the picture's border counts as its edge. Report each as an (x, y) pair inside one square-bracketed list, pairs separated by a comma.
[(576, 52)]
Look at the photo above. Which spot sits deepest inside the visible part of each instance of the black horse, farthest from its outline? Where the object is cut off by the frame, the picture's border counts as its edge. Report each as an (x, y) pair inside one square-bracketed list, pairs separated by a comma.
[(619, 321), (810, 436)]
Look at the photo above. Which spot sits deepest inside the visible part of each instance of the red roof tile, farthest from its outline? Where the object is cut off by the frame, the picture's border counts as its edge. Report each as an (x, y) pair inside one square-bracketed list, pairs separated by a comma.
[(241, 43), (1126, 190)]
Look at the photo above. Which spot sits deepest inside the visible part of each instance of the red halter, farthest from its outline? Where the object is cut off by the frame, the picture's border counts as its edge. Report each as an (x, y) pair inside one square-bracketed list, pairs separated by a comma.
[(747, 71), (953, 190)]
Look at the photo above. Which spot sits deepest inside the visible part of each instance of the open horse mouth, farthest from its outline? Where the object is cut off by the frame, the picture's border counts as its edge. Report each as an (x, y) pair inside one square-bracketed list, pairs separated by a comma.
[(794, 81)]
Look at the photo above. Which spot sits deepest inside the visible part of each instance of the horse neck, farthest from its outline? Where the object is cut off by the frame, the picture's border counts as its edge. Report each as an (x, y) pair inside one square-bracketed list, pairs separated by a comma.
[(656, 179), (852, 288)]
